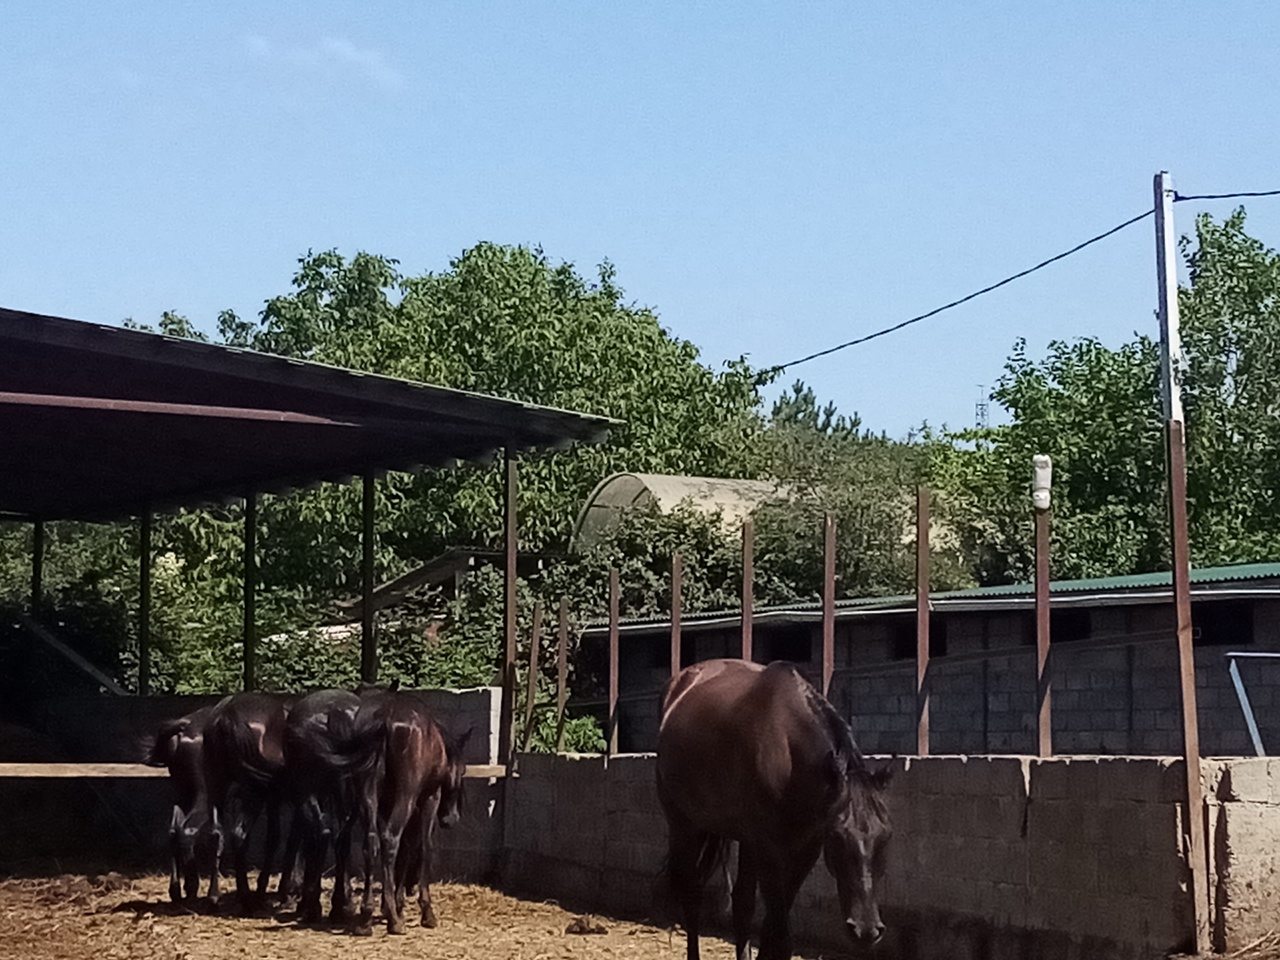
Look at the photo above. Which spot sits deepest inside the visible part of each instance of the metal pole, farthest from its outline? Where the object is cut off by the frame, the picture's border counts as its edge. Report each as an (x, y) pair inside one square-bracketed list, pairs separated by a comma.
[(1044, 713), (37, 568), (677, 608), (368, 636), (506, 722), (922, 621), (250, 589), (144, 604), (1171, 392), (613, 660), (531, 688), (828, 602), (748, 585), (562, 669)]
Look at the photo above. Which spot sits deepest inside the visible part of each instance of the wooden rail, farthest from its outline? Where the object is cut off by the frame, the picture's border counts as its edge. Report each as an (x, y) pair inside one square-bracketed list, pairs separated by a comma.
[(132, 771)]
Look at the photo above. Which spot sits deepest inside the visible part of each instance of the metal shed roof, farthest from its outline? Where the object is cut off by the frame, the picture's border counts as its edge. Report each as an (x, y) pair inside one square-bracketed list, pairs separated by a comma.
[(101, 422), (1245, 580)]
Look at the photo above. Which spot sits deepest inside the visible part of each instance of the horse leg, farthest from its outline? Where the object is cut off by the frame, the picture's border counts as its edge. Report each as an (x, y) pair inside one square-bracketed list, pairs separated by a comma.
[(369, 821), (175, 854), (269, 846), (246, 816), (392, 830), (780, 881), (684, 856), (744, 901), (427, 823), (313, 857), (292, 847), (217, 813), (340, 909)]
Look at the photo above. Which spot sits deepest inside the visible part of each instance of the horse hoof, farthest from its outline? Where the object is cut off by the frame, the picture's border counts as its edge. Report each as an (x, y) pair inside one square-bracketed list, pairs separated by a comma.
[(429, 920), (175, 893), (395, 929), (362, 930)]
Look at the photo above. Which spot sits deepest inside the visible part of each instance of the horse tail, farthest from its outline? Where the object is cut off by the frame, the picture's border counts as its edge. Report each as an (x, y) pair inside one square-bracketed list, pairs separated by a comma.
[(240, 749), (352, 747), (157, 749)]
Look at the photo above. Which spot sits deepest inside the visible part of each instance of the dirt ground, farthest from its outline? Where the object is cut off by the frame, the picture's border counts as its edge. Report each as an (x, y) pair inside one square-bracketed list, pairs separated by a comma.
[(112, 917)]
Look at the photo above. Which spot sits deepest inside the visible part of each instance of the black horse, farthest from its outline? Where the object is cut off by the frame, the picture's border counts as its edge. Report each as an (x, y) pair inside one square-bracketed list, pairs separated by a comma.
[(756, 755), (244, 763), (408, 775), (179, 746)]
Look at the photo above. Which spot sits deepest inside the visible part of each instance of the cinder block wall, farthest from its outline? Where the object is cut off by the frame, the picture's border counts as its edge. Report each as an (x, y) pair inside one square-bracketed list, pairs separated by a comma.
[(1244, 848), (992, 857)]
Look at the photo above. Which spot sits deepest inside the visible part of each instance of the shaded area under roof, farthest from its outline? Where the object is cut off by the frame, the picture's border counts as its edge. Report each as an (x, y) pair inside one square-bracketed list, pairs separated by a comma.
[(102, 422)]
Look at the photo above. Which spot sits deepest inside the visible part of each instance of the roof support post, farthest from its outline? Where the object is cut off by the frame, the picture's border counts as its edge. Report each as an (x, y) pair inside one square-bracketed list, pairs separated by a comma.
[(562, 669), (37, 568), (368, 638), (144, 603), (828, 602), (677, 608), (1044, 669), (922, 621), (511, 492), (612, 732), (250, 589), (531, 687), (748, 588)]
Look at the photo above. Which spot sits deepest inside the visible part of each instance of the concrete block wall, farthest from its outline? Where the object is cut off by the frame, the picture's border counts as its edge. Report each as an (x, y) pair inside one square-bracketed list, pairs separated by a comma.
[(1243, 798), (992, 857)]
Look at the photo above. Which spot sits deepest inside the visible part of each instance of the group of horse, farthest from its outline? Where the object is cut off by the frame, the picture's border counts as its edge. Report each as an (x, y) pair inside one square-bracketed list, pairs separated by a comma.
[(371, 769), (749, 756)]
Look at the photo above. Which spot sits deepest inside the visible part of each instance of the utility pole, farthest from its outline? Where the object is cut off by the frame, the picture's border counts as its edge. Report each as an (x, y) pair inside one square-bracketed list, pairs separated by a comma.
[(1171, 395)]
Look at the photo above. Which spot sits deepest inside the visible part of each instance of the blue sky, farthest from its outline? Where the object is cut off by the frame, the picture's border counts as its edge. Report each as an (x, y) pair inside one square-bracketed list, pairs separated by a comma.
[(771, 178)]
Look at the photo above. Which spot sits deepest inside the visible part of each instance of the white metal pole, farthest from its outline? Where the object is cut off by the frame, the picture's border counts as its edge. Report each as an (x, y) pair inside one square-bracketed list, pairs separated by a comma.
[(1167, 277)]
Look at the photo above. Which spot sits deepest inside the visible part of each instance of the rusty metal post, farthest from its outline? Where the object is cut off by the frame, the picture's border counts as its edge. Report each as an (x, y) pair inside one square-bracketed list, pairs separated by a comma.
[(368, 636), (828, 602), (612, 732), (506, 721), (250, 638), (1044, 684), (748, 587), (562, 669), (531, 686), (922, 621), (677, 608), (1187, 675), (144, 603), (37, 568)]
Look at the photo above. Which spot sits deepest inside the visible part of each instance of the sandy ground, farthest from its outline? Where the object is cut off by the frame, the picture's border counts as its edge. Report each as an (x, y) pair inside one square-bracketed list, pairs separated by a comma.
[(113, 918)]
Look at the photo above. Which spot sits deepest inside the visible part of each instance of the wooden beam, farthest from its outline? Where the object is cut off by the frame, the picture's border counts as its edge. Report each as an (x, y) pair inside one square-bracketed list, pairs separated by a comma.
[(1044, 685), (42, 634), (677, 609), (828, 602), (37, 568), (748, 588), (612, 733), (922, 622), (531, 688), (562, 669), (80, 771)]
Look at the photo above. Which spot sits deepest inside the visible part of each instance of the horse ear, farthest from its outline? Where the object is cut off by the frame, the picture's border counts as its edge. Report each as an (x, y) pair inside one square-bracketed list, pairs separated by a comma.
[(881, 778)]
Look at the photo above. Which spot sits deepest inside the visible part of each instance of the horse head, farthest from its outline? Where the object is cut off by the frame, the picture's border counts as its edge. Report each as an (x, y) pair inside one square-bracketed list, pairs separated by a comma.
[(856, 848), (451, 794)]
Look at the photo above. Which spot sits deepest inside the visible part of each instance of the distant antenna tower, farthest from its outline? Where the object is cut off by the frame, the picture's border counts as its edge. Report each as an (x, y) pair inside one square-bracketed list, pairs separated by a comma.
[(981, 409)]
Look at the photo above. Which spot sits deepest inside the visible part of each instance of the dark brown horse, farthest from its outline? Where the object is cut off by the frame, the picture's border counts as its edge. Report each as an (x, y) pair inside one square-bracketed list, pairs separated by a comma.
[(179, 746), (322, 798), (755, 755), (244, 763), (406, 771)]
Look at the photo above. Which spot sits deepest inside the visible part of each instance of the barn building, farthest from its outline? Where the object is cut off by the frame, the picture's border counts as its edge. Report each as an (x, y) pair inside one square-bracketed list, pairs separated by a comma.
[(1114, 664)]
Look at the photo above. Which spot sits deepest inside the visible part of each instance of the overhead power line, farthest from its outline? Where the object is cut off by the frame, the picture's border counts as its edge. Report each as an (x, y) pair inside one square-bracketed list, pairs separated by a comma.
[(1178, 198)]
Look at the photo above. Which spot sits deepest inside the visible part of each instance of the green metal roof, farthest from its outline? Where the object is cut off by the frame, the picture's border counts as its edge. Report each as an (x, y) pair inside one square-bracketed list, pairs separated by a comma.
[(1205, 577)]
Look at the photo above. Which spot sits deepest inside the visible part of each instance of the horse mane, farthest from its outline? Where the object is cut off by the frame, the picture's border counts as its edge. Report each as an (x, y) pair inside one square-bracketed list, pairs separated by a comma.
[(158, 748)]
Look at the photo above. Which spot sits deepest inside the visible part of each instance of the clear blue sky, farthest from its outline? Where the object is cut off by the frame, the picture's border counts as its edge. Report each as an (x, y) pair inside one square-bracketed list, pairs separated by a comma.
[(769, 177)]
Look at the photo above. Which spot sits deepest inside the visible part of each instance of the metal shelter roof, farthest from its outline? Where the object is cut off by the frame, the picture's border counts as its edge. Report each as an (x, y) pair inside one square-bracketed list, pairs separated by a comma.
[(102, 422), (733, 499)]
